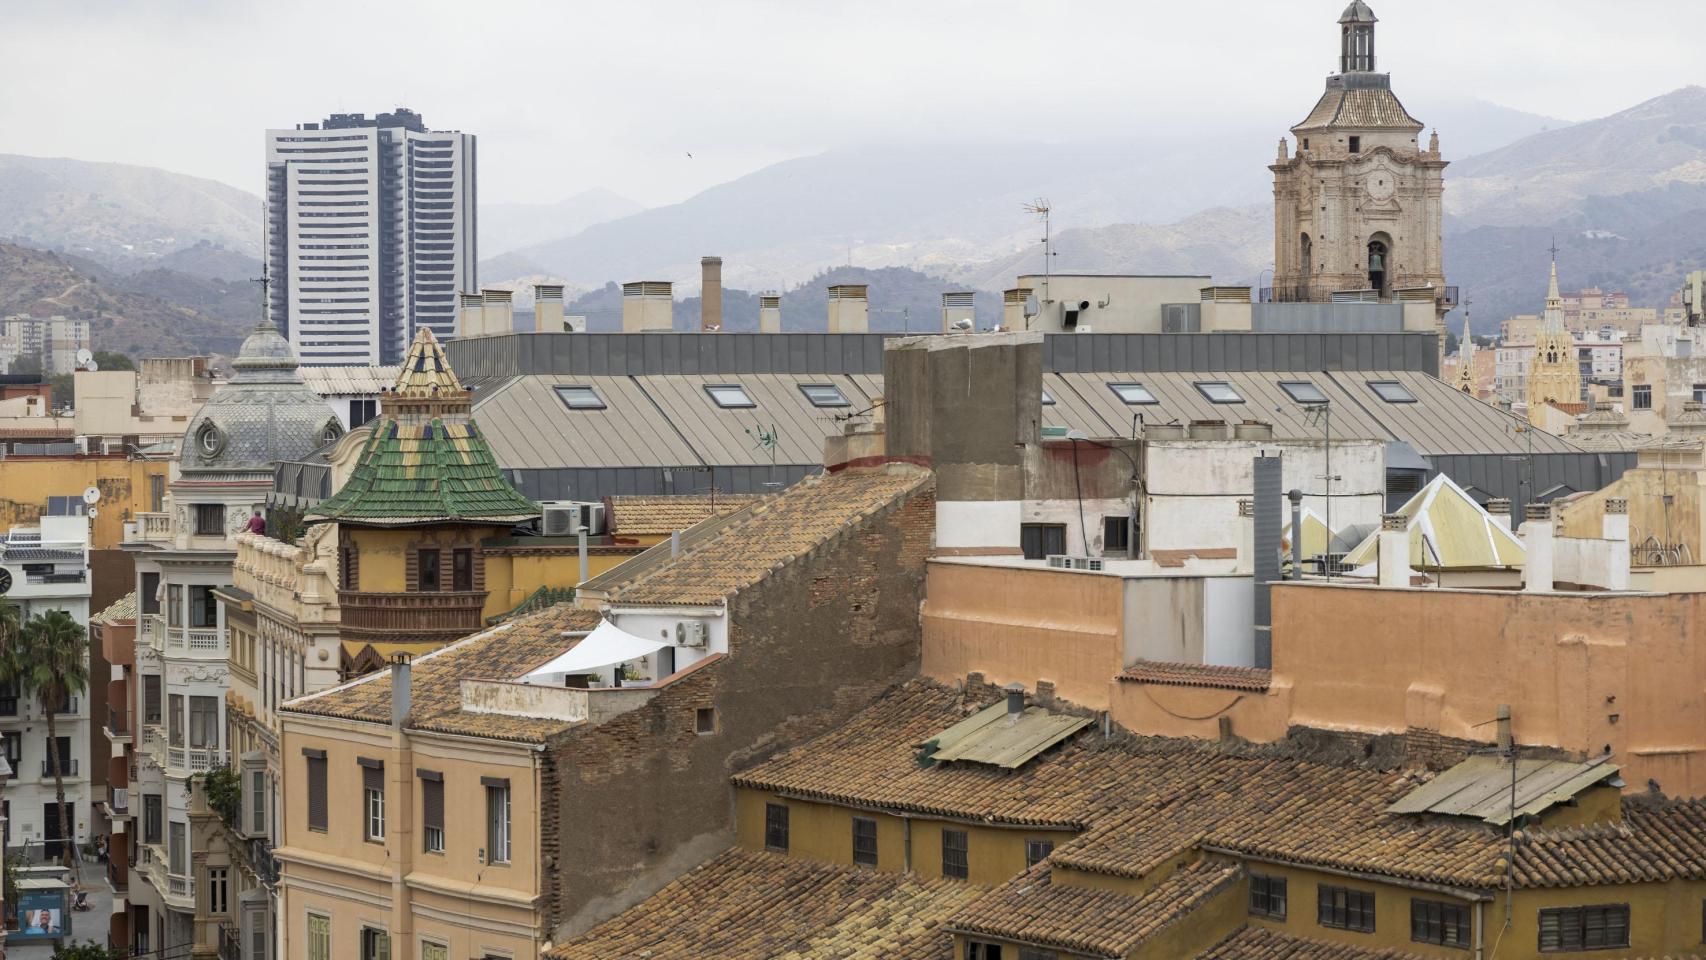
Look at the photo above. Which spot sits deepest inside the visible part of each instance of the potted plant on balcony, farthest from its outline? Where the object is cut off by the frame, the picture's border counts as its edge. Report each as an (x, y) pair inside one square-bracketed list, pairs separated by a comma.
[(224, 791)]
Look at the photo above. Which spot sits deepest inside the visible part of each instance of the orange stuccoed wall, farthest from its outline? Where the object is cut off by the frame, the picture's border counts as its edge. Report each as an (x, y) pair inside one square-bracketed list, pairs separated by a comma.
[(1583, 671)]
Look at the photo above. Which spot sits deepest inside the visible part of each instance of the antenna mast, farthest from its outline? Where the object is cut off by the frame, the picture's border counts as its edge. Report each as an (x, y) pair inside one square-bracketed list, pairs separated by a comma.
[(1040, 209)]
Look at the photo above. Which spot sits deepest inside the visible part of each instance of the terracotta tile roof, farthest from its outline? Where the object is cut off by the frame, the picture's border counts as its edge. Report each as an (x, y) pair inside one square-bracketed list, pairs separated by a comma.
[(776, 531), (871, 760), (652, 516), (1266, 943), (124, 608), (1142, 800), (1375, 107), (1032, 909), (1198, 675), (504, 651), (763, 905)]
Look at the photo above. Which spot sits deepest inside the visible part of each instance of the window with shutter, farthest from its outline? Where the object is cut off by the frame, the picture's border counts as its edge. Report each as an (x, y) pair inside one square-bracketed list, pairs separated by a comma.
[(865, 841), (319, 937), (776, 827), (1036, 851), (1434, 921), (432, 811), (316, 789), (1344, 908), (375, 944), (1597, 927), (373, 799), (497, 819), (1267, 896), (258, 802)]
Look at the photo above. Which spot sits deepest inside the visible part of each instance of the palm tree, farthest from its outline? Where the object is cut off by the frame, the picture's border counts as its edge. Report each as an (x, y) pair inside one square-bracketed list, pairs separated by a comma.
[(50, 660)]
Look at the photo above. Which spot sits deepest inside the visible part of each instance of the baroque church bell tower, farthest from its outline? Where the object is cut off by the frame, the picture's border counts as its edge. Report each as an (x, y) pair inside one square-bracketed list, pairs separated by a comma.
[(1358, 207)]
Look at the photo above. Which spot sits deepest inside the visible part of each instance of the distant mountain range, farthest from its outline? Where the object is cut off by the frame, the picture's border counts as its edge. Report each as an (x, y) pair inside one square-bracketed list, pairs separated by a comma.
[(128, 313), (1623, 195)]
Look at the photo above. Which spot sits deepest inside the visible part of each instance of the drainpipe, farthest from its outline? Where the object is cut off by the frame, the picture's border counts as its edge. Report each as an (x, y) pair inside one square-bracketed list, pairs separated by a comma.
[(580, 535), (1296, 497), (1480, 926)]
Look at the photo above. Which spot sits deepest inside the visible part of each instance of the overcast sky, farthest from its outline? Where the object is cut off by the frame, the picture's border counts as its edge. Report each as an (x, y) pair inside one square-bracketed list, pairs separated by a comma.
[(567, 95)]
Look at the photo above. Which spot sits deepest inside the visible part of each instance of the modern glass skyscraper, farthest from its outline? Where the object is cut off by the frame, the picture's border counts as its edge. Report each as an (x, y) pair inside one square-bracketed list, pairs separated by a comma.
[(369, 234)]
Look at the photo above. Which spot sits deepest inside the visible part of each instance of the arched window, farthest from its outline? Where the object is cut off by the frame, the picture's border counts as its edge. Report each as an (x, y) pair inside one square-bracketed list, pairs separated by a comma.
[(1306, 249), (1380, 264)]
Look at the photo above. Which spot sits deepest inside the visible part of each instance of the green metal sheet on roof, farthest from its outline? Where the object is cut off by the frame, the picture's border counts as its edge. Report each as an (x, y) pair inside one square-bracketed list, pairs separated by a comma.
[(1480, 787), (991, 737)]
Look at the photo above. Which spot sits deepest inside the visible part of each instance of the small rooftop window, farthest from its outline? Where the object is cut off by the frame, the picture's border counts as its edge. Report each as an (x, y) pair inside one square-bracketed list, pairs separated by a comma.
[(1392, 391), (1303, 391), (580, 398), (824, 394), (1218, 391), (728, 395), (1133, 394), (1048, 400)]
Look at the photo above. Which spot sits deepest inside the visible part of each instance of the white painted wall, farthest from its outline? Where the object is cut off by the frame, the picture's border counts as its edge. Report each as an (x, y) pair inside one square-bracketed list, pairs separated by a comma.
[(1229, 612), (658, 623), (978, 524), (1194, 486)]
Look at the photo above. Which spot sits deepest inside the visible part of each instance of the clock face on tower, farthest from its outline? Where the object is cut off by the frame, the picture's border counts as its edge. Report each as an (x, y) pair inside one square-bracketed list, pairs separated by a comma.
[(1380, 185)]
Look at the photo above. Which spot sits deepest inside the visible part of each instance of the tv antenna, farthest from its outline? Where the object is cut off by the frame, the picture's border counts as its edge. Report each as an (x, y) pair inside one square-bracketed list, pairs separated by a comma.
[(1040, 209)]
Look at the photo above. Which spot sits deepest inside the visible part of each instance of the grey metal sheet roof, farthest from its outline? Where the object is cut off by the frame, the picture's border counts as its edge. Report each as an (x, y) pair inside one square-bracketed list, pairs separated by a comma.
[(1264, 399), (991, 737), (529, 427), (1482, 787), (731, 435), (1443, 419)]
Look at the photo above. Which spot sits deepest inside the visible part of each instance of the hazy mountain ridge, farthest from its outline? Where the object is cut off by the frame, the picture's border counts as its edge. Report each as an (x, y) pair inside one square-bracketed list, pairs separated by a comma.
[(120, 214), (504, 227), (122, 319)]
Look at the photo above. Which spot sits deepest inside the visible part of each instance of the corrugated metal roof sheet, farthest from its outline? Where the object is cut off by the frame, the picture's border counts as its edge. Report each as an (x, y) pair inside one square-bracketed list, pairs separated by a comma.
[(1481, 787), (991, 737), (349, 380)]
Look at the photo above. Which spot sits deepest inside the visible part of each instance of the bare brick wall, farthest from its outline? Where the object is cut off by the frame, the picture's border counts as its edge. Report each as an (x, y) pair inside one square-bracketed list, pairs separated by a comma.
[(644, 797)]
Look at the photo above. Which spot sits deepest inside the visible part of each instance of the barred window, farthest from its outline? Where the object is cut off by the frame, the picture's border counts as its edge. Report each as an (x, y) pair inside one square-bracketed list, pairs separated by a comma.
[(1344, 909), (776, 827), (865, 841), (1036, 851), (1267, 896), (955, 862)]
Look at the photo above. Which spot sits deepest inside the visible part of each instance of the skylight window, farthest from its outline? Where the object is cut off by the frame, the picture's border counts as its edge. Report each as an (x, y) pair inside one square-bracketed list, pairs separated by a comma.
[(580, 398), (1218, 391), (1133, 394), (729, 396), (1303, 391), (1392, 391), (1048, 401), (824, 394)]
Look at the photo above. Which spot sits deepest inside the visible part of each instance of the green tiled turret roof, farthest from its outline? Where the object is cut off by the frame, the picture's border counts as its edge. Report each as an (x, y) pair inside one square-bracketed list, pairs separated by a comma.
[(424, 461), (434, 472)]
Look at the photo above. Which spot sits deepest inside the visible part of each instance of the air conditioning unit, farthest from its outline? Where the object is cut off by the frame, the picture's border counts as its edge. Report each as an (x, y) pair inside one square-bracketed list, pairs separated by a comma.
[(690, 633), (565, 518), (1061, 561)]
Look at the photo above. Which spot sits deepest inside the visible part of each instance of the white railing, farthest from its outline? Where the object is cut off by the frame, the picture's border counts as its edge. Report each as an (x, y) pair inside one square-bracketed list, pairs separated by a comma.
[(152, 628), (180, 886), (153, 527), (194, 639), (205, 640), (192, 759)]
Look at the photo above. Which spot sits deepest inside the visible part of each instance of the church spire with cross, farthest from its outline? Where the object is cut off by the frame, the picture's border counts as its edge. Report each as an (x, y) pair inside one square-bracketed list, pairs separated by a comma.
[(1554, 375)]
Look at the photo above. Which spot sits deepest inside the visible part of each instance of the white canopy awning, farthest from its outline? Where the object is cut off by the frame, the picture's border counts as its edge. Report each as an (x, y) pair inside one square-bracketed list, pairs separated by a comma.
[(605, 646)]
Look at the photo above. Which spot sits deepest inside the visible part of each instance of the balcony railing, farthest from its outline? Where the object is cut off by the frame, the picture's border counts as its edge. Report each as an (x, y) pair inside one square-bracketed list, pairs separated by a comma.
[(151, 628), (67, 768), (151, 527), (194, 639), (412, 613), (118, 798), (230, 942), (192, 759)]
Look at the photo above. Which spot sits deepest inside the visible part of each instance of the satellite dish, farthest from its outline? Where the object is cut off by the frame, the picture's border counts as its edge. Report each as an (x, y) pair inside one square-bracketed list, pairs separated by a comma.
[(92, 496), (84, 357), (91, 366), (93, 513)]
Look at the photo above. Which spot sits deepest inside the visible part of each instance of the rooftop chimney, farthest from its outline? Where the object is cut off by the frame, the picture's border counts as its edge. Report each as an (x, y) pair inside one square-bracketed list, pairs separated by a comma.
[(1014, 303), (1500, 510), (1015, 702), (1615, 529), (648, 306), (401, 689), (548, 307), (959, 311), (1394, 547), (849, 308), (710, 294), (1504, 718), (769, 313), (499, 314), (1536, 533), (470, 315)]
